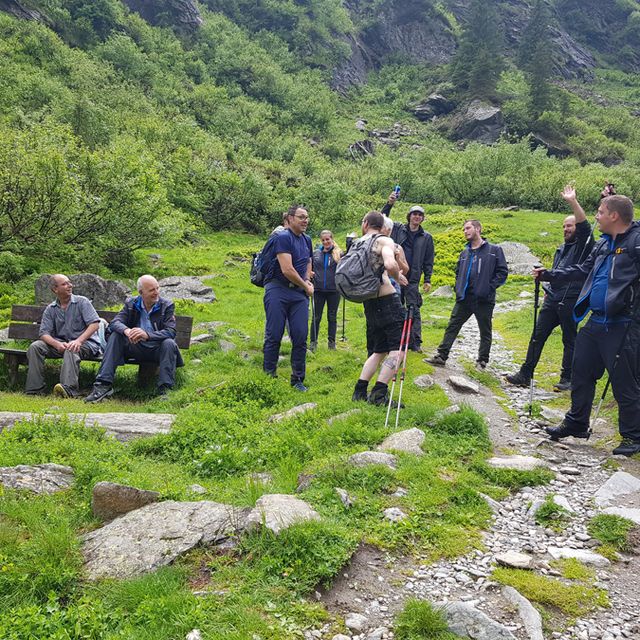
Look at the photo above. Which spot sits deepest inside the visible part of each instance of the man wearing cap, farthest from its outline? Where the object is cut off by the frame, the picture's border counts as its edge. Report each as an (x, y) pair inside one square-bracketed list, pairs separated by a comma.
[(419, 252)]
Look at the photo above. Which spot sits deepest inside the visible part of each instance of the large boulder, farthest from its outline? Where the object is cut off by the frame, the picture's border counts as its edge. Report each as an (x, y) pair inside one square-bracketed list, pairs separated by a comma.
[(155, 535), (40, 478), (408, 441), (468, 622), (183, 14), (102, 293), (519, 258), (435, 105), (110, 500), (479, 122), (280, 511), (186, 288)]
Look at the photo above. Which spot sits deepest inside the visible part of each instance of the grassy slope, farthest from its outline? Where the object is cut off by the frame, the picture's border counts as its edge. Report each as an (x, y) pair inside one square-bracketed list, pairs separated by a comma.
[(222, 436)]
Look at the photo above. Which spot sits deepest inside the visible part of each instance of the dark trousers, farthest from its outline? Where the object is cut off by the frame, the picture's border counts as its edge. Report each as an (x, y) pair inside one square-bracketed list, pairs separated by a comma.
[(461, 312), (411, 296), (332, 300), (282, 304), (551, 315), (119, 350), (596, 349)]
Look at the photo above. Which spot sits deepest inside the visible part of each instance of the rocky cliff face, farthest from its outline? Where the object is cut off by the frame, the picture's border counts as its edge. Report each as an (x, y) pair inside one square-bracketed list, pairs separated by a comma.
[(183, 14), (411, 31), (16, 9)]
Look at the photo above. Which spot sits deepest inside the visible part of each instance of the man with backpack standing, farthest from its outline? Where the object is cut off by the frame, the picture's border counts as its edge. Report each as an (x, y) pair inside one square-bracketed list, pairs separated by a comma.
[(363, 276), (481, 269), (418, 249), (287, 291)]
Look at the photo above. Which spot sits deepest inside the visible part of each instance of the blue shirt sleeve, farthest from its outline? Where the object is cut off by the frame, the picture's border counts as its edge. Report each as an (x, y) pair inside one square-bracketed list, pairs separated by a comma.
[(283, 244)]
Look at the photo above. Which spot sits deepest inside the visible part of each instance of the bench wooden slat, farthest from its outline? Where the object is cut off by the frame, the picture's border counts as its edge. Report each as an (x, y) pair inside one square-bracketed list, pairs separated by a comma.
[(23, 331), (26, 313)]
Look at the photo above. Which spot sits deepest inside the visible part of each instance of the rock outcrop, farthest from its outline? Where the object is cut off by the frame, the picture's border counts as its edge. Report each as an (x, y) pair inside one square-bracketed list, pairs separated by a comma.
[(102, 293), (183, 14), (40, 478), (20, 10), (110, 500)]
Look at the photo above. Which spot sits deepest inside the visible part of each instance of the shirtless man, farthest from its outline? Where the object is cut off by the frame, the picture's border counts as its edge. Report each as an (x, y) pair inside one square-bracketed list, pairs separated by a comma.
[(384, 315)]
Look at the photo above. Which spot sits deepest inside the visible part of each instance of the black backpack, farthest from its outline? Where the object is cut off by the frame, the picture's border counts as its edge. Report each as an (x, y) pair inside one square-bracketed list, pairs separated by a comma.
[(356, 279), (262, 263)]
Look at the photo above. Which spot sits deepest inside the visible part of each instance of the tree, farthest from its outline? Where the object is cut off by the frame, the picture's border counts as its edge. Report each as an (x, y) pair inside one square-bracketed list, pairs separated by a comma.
[(535, 57), (477, 64)]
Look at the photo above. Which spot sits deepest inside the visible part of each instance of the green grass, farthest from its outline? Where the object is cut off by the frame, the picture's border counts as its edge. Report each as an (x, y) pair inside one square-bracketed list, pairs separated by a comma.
[(220, 438), (552, 515), (574, 600), (419, 620), (612, 531)]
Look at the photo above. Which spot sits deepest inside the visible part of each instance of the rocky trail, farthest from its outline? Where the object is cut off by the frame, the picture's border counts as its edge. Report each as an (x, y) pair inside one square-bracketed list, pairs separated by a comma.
[(375, 586)]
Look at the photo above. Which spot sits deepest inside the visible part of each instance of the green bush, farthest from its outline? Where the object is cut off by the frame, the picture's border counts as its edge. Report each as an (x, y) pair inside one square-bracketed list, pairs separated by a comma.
[(420, 620)]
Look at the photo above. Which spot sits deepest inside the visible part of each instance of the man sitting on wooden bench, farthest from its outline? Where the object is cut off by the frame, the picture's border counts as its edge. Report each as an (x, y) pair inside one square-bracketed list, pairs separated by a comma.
[(144, 330), (68, 331)]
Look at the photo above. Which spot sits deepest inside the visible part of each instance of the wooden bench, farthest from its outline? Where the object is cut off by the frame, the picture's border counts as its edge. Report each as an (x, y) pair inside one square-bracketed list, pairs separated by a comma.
[(25, 325)]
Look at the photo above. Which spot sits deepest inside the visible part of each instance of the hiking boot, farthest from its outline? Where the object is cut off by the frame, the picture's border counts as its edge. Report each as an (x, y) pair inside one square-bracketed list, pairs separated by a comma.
[(162, 391), (299, 386), (99, 393), (36, 392), (436, 360), (332, 345), (271, 374), (379, 396), (481, 364), (518, 379), (416, 347), (563, 385), (627, 447), (563, 430), (360, 393), (64, 391)]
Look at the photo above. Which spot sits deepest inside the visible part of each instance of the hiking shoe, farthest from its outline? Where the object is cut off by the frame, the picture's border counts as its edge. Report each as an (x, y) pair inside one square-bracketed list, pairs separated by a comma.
[(564, 430), (162, 390), (360, 392), (332, 345), (271, 374), (416, 348), (518, 379), (299, 386), (36, 392), (64, 391), (436, 360), (99, 393), (627, 447), (563, 385), (379, 396), (481, 364)]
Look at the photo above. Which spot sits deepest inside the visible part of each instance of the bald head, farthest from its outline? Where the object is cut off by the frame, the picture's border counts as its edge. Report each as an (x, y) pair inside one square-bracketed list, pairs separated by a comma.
[(61, 286), (149, 289)]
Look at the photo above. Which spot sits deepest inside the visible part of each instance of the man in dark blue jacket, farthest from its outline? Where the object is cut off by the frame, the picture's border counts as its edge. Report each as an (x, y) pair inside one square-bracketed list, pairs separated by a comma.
[(144, 330), (417, 245), (611, 338), (481, 269), (560, 299), (287, 291)]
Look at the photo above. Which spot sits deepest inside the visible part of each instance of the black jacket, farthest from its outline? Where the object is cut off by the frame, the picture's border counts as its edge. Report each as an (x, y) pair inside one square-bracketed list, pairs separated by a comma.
[(423, 251), (489, 271), (162, 317), (324, 279), (567, 255), (624, 274)]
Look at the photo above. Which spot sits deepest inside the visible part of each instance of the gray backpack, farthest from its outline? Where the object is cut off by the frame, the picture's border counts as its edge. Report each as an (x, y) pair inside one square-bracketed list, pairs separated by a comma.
[(356, 278)]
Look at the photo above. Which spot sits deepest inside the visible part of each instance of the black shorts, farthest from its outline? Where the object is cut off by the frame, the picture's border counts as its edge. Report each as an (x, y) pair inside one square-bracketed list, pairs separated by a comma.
[(385, 317)]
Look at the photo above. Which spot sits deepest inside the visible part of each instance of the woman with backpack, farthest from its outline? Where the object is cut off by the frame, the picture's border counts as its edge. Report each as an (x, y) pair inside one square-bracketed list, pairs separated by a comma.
[(325, 261)]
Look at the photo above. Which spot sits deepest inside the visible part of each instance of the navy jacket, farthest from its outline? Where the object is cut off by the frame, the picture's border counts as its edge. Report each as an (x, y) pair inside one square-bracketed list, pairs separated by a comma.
[(623, 279), (489, 271), (324, 268), (566, 255), (162, 317), (423, 250)]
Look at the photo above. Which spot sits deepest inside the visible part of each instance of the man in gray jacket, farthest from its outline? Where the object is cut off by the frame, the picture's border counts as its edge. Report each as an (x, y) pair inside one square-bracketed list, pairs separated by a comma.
[(68, 331)]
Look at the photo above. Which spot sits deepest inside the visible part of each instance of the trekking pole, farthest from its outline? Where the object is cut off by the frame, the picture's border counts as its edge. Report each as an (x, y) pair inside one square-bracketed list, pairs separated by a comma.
[(404, 362), (344, 304), (403, 339), (536, 302)]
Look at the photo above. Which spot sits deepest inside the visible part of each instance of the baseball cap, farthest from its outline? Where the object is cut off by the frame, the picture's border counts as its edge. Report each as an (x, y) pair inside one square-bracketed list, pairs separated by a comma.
[(416, 208)]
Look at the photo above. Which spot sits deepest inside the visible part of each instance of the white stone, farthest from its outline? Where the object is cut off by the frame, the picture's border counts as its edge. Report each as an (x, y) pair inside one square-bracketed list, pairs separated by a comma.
[(345, 498), (619, 484), (366, 458), (40, 478), (356, 622), (424, 381), (515, 560), (343, 416), (301, 408), (531, 618), (552, 415), (584, 556), (394, 514), (409, 441), (194, 635), (624, 512), (278, 511), (466, 621), (460, 383), (520, 463)]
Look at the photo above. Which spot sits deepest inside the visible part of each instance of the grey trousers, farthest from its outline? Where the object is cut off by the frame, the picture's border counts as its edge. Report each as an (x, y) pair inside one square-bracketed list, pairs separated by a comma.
[(38, 351)]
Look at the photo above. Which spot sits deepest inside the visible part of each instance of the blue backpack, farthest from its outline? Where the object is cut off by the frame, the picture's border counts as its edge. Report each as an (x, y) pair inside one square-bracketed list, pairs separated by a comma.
[(263, 262)]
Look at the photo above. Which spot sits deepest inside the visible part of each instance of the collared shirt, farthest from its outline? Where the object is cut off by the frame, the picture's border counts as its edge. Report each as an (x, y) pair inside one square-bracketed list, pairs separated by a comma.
[(145, 321), (70, 323)]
